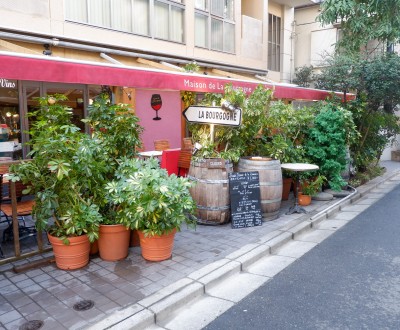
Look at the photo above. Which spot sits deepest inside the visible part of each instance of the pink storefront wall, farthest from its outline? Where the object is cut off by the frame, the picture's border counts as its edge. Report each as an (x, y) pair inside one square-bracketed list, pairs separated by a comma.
[(169, 127)]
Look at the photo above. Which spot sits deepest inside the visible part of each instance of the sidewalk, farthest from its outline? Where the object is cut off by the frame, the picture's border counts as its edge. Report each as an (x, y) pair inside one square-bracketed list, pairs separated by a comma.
[(135, 292)]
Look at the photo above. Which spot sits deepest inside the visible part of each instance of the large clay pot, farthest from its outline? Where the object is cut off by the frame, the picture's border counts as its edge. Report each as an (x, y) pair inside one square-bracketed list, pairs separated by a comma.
[(157, 248), (211, 191), (72, 256), (113, 242), (270, 174)]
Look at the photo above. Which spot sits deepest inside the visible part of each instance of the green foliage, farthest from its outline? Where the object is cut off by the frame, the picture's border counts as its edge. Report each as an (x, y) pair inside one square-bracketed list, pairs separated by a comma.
[(340, 74), (284, 134), (362, 21), (327, 140), (69, 169), (65, 165), (379, 79), (115, 126), (148, 199), (191, 67), (233, 142), (304, 76), (375, 82), (378, 129), (313, 186)]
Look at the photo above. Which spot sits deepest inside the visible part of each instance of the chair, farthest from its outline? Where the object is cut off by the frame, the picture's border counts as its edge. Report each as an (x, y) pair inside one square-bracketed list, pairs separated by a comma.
[(161, 145), (185, 156), (23, 208), (187, 143)]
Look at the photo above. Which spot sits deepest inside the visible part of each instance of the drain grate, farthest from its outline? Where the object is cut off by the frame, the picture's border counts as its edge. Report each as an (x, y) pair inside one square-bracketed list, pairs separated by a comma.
[(84, 305), (31, 325)]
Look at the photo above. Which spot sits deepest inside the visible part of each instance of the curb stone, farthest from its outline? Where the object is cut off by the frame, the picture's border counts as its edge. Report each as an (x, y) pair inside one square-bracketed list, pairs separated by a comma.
[(161, 305)]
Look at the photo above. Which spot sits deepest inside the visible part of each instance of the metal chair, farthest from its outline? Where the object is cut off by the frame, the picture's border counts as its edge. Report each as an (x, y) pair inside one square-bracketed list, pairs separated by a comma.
[(23, 209)]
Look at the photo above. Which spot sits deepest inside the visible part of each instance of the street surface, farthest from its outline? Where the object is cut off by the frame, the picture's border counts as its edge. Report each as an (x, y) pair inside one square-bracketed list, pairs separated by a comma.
[(349, 281)]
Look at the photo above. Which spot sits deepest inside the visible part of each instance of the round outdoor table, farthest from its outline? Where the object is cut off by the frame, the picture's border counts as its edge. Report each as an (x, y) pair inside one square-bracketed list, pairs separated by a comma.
[(298, 167), (149, 154)]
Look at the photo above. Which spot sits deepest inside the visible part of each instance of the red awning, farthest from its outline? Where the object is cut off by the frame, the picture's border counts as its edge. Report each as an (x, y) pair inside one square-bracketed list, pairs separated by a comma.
[(50, 69)]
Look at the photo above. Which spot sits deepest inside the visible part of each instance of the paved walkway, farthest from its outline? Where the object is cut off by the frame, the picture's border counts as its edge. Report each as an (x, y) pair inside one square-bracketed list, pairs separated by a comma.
[(133, 293)]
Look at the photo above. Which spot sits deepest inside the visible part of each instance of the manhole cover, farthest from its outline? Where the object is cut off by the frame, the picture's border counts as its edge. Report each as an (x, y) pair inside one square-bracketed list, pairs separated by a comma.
[(84, 305), (31, 325)]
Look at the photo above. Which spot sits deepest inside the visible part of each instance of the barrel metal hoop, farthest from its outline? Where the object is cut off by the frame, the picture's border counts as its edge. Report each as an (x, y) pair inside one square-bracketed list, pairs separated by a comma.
[(270, 201), (206, 181), (210, 208), (270, 184)]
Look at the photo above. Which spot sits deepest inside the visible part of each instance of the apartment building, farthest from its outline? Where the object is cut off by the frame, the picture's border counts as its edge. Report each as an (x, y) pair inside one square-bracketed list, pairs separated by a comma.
[(137, 48)]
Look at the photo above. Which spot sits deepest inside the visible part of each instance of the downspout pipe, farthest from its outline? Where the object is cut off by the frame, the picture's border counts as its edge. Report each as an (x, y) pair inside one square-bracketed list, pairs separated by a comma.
[(65, 44)]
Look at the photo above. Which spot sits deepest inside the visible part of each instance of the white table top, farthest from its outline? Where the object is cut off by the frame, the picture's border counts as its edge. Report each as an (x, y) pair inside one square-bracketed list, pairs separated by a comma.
[(151, 153), (299, 167)]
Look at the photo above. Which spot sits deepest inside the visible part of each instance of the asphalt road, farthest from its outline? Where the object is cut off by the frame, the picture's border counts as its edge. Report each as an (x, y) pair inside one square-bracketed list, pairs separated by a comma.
[(350, 281)]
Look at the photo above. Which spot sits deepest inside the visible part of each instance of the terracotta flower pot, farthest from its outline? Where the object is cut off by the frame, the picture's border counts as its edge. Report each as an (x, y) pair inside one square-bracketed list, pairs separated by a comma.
[(304, 200), (72, 256), (113, 242), (135, 240), (157, 248), (94, 248), (286, 185)]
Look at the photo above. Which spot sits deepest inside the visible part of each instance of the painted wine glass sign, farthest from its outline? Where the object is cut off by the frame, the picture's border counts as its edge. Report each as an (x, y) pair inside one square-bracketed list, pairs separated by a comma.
[(244, 190), (156, 104)]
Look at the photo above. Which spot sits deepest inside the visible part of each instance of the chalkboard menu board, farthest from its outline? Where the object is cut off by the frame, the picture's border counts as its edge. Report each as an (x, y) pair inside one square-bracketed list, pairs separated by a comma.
[(244, 190)]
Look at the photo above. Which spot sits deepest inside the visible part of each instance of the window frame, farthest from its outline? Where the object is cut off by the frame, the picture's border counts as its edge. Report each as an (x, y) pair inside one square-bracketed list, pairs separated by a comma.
[(225, 21), (274, 45), (180, 4)]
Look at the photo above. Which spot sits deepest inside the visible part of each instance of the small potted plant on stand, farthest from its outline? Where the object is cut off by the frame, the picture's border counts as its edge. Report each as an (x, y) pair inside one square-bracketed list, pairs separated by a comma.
[(310, 188), (153, 202)]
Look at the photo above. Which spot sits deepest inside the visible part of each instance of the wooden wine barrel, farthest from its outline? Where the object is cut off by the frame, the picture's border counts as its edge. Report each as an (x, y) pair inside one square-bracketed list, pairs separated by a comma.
[(211, 191), (270, 183)]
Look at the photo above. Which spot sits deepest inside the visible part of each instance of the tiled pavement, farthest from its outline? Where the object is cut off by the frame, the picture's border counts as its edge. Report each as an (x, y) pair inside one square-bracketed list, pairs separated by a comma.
[(119, 289)]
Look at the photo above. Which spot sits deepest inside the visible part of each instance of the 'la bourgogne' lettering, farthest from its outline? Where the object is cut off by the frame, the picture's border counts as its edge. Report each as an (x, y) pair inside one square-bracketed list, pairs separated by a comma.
[(213, 115)]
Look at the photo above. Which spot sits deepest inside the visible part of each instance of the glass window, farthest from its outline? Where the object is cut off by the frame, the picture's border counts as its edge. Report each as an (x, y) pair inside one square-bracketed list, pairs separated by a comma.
[(214, 25), (76, 10), (274, 42), (140, 12), (131, 16), (201, 4), (10, 126), (121, 15), (99, 12), (201, 35), (161, 20)]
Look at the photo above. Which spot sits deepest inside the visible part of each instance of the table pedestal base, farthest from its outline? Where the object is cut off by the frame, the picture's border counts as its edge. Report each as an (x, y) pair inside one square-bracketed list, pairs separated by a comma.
[(296, 209)]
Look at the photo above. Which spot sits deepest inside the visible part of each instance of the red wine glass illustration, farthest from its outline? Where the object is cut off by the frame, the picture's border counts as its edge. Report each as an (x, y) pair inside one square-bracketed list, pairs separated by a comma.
[(156, 104)]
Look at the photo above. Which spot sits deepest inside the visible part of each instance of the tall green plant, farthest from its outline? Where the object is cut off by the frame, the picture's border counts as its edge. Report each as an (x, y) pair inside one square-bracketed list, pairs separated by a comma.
[(66, 165), (327, 141), (69, 169)]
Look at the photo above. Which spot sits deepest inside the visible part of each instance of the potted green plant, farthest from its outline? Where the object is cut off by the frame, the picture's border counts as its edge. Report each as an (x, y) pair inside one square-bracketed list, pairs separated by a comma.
[(117, 132), (153, 202), (310, 188), (69, 169), (327, 140), (65, 164)]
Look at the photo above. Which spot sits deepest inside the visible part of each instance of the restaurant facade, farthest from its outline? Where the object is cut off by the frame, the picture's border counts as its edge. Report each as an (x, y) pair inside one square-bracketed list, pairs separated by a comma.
[(70, 51)]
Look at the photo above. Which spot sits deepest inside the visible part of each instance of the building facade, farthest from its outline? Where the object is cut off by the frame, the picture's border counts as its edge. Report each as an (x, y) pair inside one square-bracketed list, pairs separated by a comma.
[(137, 48)]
